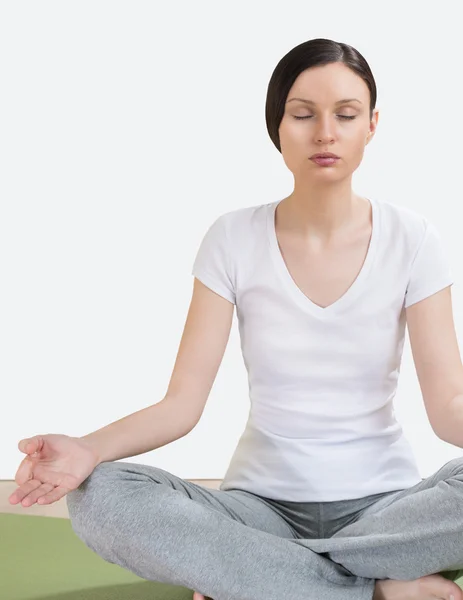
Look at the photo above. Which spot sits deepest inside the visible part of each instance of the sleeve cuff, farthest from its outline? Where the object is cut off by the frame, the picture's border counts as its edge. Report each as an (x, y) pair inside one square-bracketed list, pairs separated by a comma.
[(428, 290), (216, 287)]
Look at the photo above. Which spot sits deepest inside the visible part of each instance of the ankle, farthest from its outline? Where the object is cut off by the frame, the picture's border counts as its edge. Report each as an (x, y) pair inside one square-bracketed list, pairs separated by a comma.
[(378, 593)]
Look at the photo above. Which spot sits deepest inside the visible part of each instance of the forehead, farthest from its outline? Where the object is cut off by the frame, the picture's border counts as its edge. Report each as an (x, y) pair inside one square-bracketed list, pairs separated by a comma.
[(329, 83)]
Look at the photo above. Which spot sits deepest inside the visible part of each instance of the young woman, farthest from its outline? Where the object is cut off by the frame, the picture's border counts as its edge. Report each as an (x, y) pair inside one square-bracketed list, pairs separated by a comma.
[(322, 498)]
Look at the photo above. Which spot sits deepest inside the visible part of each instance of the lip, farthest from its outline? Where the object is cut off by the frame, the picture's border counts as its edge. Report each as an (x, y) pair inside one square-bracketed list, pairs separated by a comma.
[(324, 155), (324, 161)]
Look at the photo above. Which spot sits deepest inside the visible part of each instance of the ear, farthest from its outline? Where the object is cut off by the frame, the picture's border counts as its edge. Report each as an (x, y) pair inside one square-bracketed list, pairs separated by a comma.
[(373, 126)]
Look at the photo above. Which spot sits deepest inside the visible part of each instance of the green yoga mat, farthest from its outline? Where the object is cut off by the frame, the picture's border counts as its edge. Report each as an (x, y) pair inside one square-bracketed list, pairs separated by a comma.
[(41, 558)]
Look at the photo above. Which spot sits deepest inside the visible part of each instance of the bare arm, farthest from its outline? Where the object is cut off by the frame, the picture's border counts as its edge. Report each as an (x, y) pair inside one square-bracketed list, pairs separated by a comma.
[(140, 432), (436, 354), (204, 340)]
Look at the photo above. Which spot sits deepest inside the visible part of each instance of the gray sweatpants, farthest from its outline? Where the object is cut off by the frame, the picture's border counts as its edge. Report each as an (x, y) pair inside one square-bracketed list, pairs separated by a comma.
[(235, 545)]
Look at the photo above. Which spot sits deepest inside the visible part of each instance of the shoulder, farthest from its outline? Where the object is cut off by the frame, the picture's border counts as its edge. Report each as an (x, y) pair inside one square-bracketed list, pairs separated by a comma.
[(403, 223), (404, 216), (246, 214), (244, 223)]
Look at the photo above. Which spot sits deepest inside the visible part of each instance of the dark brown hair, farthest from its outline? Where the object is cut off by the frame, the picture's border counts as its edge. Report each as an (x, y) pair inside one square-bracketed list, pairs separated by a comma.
[(316, 52)]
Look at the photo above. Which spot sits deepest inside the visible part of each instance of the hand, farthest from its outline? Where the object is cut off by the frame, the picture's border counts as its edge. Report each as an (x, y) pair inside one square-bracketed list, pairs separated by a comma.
[(55, 464)]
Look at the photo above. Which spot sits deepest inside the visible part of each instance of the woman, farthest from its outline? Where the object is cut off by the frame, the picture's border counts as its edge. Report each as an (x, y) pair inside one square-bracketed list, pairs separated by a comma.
[(322, 498)]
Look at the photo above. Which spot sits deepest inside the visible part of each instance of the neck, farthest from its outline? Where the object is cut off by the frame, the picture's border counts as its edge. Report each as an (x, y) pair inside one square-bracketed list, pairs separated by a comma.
[(321, 213)]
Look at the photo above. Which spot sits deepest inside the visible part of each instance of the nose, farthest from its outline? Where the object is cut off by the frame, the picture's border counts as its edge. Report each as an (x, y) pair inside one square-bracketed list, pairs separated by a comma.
[(325, 132), (325, 137)]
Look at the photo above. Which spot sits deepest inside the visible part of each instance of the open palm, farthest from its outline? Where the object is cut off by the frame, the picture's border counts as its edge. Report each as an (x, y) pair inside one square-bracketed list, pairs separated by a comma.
[(54, 465)]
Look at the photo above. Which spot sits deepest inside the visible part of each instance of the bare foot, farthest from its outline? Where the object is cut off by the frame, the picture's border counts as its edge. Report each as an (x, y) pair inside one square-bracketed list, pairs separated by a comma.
[(429, 587), (198, 596)]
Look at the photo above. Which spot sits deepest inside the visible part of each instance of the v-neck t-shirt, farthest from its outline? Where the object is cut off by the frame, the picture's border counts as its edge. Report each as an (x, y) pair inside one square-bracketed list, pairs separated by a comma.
[(322, 381)]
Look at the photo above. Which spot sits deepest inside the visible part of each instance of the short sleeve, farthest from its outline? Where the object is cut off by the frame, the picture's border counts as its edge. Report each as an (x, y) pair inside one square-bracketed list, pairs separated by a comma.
[(431, 270), (212, 263)]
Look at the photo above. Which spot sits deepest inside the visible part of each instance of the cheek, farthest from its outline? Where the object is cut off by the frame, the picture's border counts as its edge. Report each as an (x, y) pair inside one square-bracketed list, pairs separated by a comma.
[(292, 139), (356, 154), (291, 133), (355, 142), (358, 136)]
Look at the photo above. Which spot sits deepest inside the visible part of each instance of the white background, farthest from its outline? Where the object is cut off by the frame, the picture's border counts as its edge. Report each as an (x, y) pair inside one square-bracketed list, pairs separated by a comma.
[(126, 129)]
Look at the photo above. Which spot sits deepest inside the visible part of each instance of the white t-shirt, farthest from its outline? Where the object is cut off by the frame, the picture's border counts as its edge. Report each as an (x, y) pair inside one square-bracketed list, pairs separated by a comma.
[(321, 424)]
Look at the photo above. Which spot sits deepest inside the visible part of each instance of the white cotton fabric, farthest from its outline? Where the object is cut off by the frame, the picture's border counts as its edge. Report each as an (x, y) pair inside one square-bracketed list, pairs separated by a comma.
[(322, 381)]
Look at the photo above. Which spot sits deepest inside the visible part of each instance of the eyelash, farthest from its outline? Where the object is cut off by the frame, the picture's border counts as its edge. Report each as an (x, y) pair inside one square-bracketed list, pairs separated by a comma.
[(340, 116)]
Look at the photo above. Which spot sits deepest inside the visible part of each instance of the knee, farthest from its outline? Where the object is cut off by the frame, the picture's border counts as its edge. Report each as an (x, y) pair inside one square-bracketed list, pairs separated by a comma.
[(456, 466), (101, 500), (86, 503)]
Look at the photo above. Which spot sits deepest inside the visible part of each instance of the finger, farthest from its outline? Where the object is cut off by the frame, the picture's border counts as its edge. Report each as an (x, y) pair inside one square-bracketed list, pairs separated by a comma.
[(19, 494), (27, 445), (24, 472), (31, 445), (32, 498), (56, 494)]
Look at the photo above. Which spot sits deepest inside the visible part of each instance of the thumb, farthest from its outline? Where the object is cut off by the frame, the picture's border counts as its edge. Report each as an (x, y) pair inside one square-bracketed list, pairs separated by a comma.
[(30, 445)]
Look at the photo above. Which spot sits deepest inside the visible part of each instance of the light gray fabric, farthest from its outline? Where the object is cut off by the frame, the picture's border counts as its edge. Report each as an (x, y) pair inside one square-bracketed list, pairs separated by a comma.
[(234, 545)]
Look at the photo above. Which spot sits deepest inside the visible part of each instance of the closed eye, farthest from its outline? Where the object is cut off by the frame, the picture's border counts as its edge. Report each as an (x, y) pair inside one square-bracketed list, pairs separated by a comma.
[(340, 116)]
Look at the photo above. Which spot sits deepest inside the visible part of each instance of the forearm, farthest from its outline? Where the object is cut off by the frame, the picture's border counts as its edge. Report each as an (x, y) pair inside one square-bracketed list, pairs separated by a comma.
[(451, 426), (142, 431)]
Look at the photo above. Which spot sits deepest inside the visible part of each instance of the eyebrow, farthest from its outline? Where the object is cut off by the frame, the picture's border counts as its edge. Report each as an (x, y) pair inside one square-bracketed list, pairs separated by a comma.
[(338, 102)]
